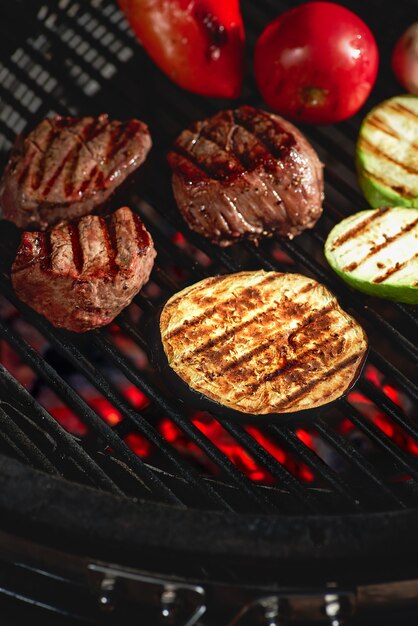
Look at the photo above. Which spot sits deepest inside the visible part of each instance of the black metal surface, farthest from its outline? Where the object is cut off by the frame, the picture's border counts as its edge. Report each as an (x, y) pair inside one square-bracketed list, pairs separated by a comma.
[(80, 58)]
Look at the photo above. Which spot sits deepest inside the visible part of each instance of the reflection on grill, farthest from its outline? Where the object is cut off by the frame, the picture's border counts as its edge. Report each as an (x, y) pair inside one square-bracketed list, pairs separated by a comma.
[(91, 407)]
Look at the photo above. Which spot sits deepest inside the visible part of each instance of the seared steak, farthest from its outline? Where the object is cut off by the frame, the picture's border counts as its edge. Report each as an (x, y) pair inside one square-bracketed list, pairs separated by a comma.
[(81, 275), (67, 166), (245, 173), (262, 342)]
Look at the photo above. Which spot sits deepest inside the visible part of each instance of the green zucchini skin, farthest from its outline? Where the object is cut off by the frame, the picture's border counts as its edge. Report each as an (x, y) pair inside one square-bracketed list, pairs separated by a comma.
[(364, 239), (387, 153)]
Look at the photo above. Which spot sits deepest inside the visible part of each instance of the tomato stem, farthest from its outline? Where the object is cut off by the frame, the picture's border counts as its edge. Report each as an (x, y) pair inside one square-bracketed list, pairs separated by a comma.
[(313, 96)]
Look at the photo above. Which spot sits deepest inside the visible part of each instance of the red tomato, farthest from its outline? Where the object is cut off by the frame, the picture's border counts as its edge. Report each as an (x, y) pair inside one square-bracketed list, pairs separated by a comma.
[(199, 44), (405, 59), (316, 63)]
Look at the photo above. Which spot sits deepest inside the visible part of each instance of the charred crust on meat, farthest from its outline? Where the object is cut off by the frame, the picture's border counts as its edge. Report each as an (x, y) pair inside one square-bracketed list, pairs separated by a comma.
[(81, 275), (67, 166), (246, 174)]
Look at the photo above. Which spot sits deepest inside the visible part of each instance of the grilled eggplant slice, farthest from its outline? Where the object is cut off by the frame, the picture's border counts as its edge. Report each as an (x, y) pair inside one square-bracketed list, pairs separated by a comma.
[(262, 342), (377, 252), (387, 153)]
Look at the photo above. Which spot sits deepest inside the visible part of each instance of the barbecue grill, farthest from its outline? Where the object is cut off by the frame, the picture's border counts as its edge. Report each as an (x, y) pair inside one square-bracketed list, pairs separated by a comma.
[(120, 500)]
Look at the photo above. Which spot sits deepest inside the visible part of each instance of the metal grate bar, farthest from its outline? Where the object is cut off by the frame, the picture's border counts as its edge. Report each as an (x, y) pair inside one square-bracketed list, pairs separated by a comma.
[(376, 435), (189, 429), (125, 34), (410, 314), (22, 443), (320, 468), (77, 404), (13, 102), (388, 407), (47, 100), (344, 447), (63, 439), (392, 372), (12, 448), (304, 495), (95, 377), (175, 110), (50, 65), (122, 80), (90, 71)]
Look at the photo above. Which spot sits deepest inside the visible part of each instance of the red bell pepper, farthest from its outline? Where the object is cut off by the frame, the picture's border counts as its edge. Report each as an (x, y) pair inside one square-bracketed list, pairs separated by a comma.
[(199, 44)]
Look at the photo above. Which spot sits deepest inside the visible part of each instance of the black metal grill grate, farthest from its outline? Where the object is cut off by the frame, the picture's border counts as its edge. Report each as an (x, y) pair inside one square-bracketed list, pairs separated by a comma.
[(80, 58)]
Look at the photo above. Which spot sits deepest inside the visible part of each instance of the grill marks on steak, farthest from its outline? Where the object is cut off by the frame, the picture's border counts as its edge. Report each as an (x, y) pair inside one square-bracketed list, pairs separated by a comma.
[(245, 173), (66, 166), (81, 275)]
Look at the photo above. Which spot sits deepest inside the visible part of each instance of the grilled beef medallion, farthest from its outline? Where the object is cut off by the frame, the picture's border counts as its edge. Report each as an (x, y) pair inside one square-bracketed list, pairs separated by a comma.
[(82, 274), (262, 342), (246, 174), (67, 166)]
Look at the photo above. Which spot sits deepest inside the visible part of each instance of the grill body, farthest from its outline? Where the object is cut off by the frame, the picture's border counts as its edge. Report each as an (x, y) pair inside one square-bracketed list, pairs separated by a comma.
[(101, 462)]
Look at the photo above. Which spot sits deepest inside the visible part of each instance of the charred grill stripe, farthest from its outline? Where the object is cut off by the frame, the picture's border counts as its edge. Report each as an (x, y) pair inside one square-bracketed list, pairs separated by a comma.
[(88, 180), (237, 157), (77, 249), (314, 317), (96, 175), (45, 245), (89, 128), (93, 129), (189, 157), (402, 191), (40, 170), (120, 136), (109, 237), (24, 174), (375, 249), (246, 325), (358, 228), (278, 143), (292, 364), (174, 300), (243, 159), (379, 124), (70, 178), (182, 165), (300, 393), (403, 110), (393, 270), (142, 236), (100, 179), (113, 140), (207, 313), (52, 180), (373, 149), (102, 126), (304, 289), (264, 345)]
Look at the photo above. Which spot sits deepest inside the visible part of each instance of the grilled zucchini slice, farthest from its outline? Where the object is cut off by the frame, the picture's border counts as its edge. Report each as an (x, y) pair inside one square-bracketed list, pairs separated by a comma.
[(262, 342), (376, 252), (387, 153)]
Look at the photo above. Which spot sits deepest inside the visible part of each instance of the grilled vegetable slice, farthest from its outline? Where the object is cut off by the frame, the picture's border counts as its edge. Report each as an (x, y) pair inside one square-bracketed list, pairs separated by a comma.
[(376, 252), (262, 342), (387, 153)]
